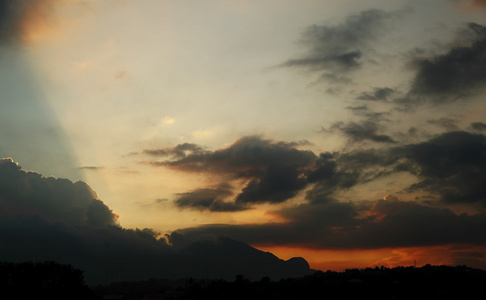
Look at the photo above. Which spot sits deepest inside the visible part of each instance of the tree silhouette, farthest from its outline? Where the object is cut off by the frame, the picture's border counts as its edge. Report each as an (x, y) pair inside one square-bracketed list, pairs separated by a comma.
[(42, 279)]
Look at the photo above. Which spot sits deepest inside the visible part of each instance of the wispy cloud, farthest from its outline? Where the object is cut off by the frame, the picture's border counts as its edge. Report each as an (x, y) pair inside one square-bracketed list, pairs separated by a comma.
[(337, 51)]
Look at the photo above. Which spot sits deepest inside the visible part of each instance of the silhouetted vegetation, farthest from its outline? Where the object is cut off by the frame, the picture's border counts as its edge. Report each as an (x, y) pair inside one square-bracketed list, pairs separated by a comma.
[(48, 280), (427, 282), (52, 280)]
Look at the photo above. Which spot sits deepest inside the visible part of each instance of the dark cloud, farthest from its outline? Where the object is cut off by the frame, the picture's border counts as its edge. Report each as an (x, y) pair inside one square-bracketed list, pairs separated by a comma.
[(365, 130), (92, 168), (364, 111), (378, 94), (212, 199), (57, 199), (328, 177), (452, 166), (337, 225), (177, 152), (449, 167), (454, 75), (272, 170), (58, 220), (279, 183), (246, 157), (336, 51), (479, 126)]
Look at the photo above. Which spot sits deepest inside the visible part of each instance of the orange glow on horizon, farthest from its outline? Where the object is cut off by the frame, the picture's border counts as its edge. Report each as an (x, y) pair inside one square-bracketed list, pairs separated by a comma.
[(340, 260)]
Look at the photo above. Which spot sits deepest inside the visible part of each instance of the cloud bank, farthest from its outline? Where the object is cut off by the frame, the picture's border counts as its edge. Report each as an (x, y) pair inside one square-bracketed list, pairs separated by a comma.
[(59, 220)]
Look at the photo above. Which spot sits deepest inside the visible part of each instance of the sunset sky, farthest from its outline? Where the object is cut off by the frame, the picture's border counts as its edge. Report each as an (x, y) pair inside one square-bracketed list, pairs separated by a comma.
[(348, 132)]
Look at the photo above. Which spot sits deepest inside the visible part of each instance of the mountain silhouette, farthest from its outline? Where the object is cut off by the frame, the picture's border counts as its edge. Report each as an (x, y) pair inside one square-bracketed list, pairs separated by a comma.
[(225, 258)]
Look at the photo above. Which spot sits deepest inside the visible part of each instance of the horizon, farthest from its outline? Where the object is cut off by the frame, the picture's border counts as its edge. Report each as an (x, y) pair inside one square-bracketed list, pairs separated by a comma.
[(349, 133)]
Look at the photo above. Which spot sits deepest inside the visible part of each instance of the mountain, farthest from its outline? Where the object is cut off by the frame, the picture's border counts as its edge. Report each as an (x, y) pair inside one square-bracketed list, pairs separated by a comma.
[(225, 258)]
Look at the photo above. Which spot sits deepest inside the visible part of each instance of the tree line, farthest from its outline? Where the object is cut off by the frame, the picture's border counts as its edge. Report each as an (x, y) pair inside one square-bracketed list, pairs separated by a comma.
[(427, 282), (53, 280), (48, 279)]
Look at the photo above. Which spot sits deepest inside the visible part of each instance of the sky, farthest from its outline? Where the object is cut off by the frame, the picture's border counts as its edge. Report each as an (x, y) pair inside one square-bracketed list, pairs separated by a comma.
[(351, 133)]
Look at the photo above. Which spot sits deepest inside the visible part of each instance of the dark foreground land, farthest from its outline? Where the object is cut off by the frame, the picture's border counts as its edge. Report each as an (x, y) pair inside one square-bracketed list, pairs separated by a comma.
[(55, 281)]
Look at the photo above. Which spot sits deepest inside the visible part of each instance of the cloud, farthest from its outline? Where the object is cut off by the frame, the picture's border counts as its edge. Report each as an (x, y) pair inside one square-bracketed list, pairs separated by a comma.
[(57, 199), (211, 199), (57, 219), (449, 167), (446, 123), (92, 168), (378, 94), (454, 75), (365, 130), (338, 225), (328, 177), (478, 126), (279, 183), (63, 221), (452, 166), (272, 170), (178, 152), (364, 111), (337, 51)]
